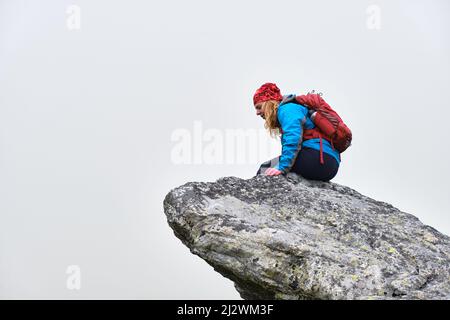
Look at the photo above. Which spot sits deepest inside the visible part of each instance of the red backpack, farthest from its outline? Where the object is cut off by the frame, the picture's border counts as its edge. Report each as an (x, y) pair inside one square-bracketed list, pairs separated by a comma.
[(328, 123)]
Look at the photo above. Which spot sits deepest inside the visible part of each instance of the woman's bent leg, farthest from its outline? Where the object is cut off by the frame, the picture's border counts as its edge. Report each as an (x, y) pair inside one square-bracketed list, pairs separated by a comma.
[(268, 164), (308, 165)]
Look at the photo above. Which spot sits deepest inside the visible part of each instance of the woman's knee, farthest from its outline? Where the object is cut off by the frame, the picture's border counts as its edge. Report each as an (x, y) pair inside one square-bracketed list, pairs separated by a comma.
[(268, 164)]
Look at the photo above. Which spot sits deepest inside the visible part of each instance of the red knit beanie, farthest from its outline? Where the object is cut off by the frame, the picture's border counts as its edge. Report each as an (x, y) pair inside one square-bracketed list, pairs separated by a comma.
[(268, 91)]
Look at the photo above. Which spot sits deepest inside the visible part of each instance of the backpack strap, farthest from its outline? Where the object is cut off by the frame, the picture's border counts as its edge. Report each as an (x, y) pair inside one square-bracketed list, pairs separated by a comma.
[(321, 149), (288, 98)]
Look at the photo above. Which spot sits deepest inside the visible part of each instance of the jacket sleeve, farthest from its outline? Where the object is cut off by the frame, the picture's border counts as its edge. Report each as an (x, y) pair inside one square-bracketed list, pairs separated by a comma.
[(291, 117)]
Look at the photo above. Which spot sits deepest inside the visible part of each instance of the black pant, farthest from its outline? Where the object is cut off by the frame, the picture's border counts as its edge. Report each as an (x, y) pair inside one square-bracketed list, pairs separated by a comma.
[(308, 165)]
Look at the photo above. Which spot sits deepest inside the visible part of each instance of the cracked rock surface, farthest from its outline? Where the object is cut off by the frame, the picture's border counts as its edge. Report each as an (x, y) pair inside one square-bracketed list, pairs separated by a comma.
[(285, 237)]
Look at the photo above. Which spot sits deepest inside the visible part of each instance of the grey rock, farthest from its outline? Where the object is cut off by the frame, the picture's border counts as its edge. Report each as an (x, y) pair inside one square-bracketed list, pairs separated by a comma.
[(285, 237)]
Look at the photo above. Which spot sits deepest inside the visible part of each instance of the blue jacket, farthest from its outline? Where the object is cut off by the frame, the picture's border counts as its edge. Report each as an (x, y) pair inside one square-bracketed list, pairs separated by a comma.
[(293, 117)]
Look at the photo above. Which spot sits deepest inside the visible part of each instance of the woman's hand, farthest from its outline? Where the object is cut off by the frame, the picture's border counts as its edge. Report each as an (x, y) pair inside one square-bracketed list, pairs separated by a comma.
[(272, 172)]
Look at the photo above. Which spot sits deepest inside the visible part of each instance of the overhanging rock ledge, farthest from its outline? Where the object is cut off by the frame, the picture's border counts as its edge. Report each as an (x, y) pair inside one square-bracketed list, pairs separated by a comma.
[(285, 237)]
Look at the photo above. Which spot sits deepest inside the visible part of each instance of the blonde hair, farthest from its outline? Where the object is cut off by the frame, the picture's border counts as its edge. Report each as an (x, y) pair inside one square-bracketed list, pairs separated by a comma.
[(270, 108)]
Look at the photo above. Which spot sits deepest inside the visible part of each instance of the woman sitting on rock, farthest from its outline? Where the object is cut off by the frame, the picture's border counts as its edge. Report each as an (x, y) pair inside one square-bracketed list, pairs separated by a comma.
[(314, 158)]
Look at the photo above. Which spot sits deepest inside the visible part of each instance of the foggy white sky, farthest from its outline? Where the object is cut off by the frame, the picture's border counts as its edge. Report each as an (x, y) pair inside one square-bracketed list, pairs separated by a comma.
[(87, 116)]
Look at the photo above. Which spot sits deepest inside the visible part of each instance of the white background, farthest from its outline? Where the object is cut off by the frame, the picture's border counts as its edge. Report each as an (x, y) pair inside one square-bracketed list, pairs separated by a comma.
[(87, 115)]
